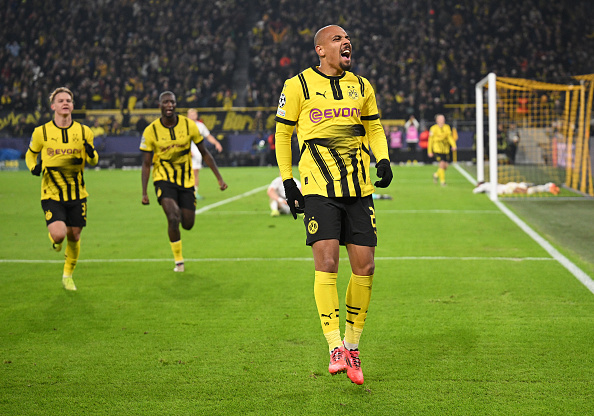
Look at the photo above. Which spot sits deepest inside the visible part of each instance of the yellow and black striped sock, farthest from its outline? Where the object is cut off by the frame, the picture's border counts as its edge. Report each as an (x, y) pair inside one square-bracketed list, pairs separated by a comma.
[(71, 253), (357, 302), (326, 297), (176, 248)]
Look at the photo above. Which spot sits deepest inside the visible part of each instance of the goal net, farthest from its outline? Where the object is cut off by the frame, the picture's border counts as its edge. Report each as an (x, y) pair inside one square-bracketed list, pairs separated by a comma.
[(538, 132)]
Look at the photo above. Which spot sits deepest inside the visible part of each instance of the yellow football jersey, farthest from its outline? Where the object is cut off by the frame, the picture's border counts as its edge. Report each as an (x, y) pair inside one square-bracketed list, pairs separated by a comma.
[(440, 139), (337, 121), (63, 158), (172, 160)]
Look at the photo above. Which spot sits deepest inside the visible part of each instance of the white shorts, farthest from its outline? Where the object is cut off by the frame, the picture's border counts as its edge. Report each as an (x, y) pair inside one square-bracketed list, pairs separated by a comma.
[(197, 161)]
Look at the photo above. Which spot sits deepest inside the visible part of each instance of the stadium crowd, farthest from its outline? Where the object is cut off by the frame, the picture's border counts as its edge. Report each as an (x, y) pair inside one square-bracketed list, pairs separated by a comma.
[(419, 55), (117, 53)]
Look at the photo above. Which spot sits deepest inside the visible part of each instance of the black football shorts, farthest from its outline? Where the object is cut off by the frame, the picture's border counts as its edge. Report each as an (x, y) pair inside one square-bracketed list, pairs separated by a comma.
[(185, 197), (72, 213), (350, 220)]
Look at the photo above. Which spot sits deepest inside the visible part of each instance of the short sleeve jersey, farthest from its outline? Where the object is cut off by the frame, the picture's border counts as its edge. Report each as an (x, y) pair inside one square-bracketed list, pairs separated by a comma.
[(172, 161), (334, 147), (63, 159)]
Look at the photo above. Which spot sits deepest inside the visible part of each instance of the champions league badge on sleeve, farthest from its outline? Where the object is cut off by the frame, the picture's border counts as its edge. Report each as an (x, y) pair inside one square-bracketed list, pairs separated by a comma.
[(281, 103)]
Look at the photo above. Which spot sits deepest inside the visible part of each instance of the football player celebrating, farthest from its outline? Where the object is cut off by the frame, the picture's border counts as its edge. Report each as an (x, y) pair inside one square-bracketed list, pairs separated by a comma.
[(166, 147), (65, 146), (337, 121)]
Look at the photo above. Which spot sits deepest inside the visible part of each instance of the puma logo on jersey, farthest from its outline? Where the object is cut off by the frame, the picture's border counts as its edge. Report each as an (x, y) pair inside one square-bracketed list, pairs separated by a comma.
[(329, 316), (323, 95)]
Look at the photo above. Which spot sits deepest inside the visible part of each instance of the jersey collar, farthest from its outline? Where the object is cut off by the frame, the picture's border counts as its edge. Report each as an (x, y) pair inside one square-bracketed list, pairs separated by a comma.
[(317, 71), (63, 128), (176, 122)]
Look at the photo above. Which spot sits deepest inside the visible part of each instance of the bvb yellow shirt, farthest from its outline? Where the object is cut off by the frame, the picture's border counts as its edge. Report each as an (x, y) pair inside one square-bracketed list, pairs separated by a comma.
[(172, 160), (440, 139), (337, 123), (63, 158)]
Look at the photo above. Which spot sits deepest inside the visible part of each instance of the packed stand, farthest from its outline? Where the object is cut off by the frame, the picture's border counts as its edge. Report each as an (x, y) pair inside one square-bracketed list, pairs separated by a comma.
[(419, 56), (122, 56)]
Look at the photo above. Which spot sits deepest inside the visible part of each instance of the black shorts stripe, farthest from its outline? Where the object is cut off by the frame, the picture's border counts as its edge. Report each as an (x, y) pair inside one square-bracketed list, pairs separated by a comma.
[(336, 91), (304, 86), (362, 86), (373, 117), (344, 183), (283, 121), (317, 157)]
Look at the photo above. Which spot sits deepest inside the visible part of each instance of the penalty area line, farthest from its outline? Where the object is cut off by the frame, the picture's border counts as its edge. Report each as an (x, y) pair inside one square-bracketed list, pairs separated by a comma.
[(228, 200)]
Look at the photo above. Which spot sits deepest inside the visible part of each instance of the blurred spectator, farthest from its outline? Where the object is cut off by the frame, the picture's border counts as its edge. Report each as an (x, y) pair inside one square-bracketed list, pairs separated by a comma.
[(411, 128)]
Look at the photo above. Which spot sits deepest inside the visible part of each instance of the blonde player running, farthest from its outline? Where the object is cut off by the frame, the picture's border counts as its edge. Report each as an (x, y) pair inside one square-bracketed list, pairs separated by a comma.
[(65, 146)]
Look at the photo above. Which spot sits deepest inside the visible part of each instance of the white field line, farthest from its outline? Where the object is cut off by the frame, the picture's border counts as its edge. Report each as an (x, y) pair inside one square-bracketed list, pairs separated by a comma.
[(228, 200), (565, 262), (265, 211), (280, 259)]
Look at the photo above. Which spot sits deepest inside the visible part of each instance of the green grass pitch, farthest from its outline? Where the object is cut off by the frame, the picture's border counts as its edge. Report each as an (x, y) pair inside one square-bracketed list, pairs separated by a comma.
[(468, 315)]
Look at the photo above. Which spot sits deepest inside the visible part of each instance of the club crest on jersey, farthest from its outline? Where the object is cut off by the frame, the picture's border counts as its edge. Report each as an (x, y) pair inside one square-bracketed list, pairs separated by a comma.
[(352, 92), (48, 215)]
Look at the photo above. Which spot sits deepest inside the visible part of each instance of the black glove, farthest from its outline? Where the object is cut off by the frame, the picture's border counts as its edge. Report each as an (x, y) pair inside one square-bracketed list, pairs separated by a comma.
[(89, 149), (294, 194), (37, 169), (384, 171)]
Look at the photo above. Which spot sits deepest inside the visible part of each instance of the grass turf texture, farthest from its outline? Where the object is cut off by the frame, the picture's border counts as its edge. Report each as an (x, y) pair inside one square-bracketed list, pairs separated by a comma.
[(461, 322)]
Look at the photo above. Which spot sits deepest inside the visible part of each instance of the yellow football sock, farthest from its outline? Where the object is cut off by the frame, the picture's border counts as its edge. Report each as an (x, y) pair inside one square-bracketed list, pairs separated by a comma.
[(441, 175), (327, 302), (72, 252), (357, 302), (176, 248)]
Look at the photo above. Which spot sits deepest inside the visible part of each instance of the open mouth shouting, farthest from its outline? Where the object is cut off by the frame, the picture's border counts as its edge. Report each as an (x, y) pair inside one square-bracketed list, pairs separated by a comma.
[(345, 55)]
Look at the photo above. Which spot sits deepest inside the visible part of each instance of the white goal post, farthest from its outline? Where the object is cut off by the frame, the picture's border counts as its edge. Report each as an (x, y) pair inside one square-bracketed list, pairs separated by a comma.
[(491, 80)]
